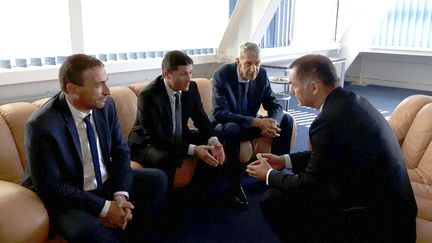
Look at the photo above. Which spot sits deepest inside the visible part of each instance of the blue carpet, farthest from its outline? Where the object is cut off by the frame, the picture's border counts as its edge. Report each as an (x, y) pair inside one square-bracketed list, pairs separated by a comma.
[(213, 218)]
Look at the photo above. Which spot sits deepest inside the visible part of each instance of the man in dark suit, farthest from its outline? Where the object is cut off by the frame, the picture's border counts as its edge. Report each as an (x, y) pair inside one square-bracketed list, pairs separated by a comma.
[(239, 89), (161, 137), (353, 185), (79, 162)]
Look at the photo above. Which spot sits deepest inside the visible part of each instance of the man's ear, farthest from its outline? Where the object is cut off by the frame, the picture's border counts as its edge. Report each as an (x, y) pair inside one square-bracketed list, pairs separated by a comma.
[(237, 60), (165, 74), (71, 88), (315, 87)]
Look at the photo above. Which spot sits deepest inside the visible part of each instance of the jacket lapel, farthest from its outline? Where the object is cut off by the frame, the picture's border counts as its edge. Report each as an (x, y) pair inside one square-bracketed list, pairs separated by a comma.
[(164, 102), (70, 126)]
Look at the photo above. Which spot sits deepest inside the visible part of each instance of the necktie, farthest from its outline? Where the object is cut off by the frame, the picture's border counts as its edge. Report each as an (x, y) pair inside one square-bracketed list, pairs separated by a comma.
[(94, 152), (243, 98), (178, 119)]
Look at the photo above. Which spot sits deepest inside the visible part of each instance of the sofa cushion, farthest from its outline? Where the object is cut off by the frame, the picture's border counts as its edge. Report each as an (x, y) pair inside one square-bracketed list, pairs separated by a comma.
[(418, 137), (123, 98), (404, 114), (10, 170), (16, 115)]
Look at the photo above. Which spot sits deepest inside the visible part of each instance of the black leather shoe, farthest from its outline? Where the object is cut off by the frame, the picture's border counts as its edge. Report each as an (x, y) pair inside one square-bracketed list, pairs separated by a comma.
[(239, 198)]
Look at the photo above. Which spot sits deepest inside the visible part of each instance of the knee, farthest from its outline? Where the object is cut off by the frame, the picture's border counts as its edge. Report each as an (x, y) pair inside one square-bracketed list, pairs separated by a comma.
[(287, 121), (231, 131)]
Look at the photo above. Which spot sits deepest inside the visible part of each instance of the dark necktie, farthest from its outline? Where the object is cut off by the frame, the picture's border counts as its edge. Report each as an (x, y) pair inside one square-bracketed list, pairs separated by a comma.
[(243, 98), (93, 147), (178, 118)]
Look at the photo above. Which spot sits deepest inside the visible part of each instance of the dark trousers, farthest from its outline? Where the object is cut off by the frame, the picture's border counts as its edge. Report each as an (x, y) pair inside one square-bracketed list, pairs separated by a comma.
[(151, 157), (232, 134), (304, 215), (148, 197)]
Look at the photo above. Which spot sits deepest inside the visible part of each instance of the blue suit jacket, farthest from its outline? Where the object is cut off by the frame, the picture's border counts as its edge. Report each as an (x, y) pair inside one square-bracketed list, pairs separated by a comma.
[(355, 159), (226, 92), (53, 153)]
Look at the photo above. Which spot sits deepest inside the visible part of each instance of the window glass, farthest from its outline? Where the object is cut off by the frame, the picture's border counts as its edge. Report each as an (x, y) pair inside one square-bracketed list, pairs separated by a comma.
[(34, 28), (314, 21), (136, 25)]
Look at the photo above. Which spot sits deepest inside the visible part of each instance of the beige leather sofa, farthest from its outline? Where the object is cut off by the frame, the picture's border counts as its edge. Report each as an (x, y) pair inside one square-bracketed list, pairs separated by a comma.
[(412, 124), (23, 215)]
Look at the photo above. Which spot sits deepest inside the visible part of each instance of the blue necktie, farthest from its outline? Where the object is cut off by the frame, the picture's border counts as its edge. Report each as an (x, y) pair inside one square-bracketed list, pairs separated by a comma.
[(93, 147), (178, 119), (243, 98)]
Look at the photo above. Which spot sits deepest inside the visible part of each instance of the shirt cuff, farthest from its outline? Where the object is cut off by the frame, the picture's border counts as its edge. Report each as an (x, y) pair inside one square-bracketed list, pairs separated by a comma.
[(191, 149), (105, 209), (212, 140), (267, 176), (124, 193), (287, 159)]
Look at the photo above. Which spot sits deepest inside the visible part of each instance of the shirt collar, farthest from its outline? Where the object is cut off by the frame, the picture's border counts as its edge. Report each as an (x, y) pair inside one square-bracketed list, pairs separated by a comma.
[(240, 80), (77, 115)]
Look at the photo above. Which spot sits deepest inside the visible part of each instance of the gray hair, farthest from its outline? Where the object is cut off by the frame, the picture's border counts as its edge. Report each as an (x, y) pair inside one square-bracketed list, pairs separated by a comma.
[(249, 47)]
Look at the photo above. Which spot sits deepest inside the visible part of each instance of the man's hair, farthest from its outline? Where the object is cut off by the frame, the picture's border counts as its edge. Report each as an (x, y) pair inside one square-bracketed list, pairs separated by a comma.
[(72, 69), (315, 67), (173, 59), (249, 47)]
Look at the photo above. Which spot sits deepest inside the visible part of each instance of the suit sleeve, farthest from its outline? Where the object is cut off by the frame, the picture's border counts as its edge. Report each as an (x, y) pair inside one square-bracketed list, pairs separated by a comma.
[(150, 118), (120, 171), (44, 156), (311, 168), (221, 110)]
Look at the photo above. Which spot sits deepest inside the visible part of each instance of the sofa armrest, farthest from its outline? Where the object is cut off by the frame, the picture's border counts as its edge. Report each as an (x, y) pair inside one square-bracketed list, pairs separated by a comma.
[(24, 217)]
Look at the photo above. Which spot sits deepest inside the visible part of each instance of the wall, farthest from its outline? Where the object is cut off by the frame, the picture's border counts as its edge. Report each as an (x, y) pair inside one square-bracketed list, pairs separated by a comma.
[(31, 91), (394, 70)]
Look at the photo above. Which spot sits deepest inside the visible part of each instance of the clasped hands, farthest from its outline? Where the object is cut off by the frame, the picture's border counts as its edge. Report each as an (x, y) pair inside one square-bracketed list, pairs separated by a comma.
[(119, 213), (213, 155), (263, 164), (269, 127)]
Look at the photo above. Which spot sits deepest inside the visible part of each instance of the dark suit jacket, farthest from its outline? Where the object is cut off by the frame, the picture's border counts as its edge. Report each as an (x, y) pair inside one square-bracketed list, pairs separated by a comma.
[(226, 92), (355, 158), (153, 125), (53, 153)]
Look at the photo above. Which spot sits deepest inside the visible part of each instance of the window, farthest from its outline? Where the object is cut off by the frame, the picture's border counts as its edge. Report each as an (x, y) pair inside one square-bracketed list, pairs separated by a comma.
[(136, 25), (34, 28), (406, 25), (315, 21), (39, 32)]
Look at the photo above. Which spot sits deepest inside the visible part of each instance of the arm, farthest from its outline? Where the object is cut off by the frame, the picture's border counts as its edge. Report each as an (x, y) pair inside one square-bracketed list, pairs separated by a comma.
[(150, 117), (315, 163), (47, 155)]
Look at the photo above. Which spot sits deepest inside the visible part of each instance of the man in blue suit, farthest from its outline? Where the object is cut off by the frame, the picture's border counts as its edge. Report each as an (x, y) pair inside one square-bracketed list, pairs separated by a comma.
[(353, 185), (239, 89), (79, 162)]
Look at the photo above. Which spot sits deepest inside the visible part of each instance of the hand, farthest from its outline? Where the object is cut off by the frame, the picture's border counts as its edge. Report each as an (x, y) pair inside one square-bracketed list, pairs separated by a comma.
[(120, 198), (275, 161), (271, 132), (202, 151), (218, 152), (264, 123), (118, 214), (258, 169)]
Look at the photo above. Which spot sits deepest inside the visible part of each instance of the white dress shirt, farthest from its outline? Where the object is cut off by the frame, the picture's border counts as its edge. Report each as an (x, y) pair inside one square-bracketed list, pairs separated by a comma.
[(171, 93), (90, 182)]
